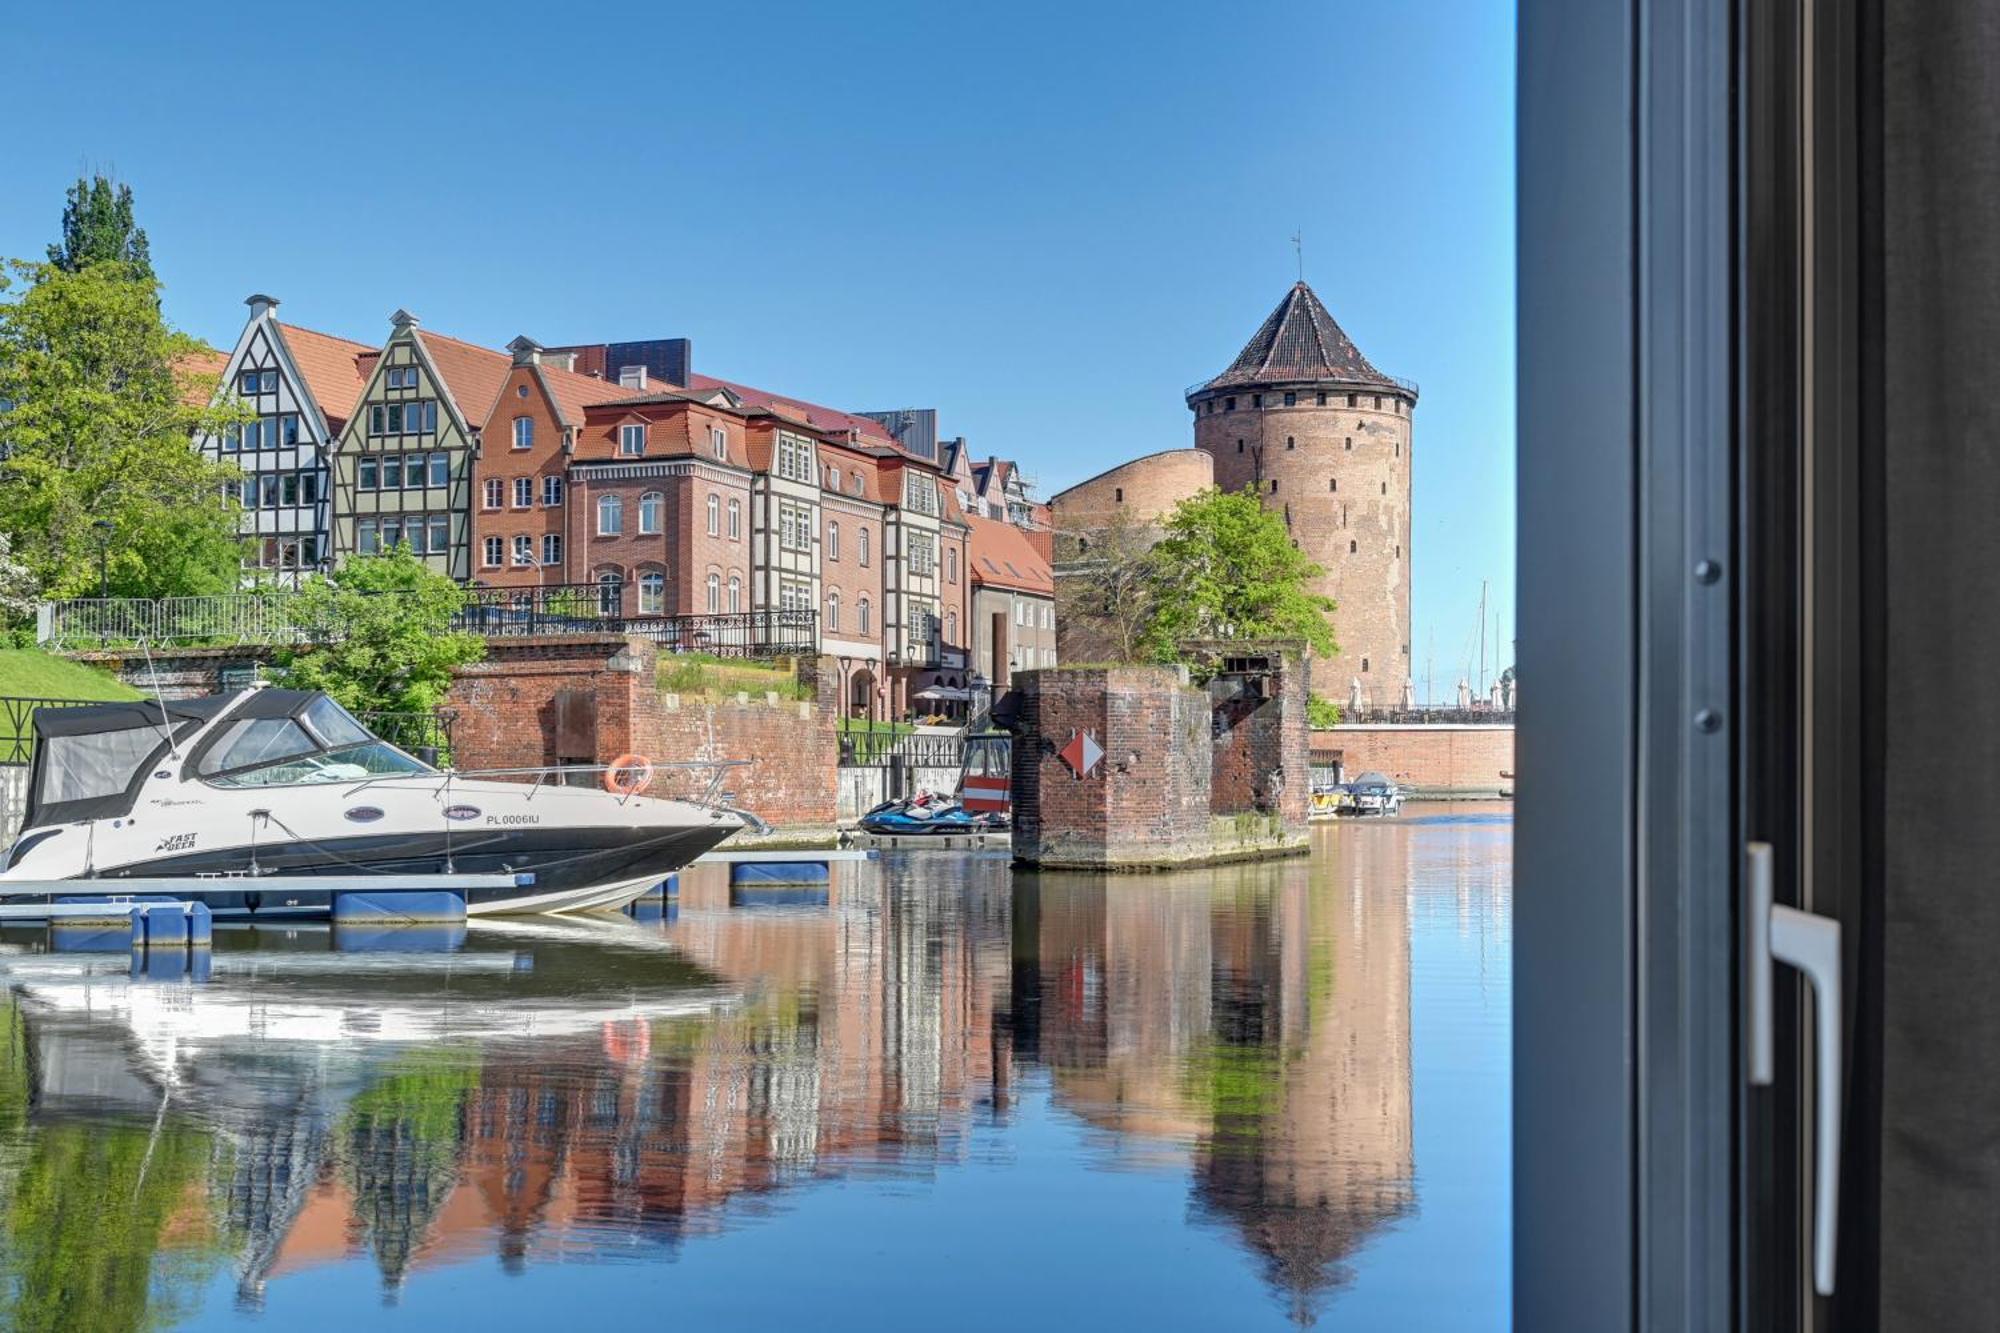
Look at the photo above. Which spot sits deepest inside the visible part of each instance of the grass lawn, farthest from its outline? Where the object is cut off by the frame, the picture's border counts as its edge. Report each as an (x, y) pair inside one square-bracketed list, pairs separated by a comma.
[(700, 675), (32, 673)]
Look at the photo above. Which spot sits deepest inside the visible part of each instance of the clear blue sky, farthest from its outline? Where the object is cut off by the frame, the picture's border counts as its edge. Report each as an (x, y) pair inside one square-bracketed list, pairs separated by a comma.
[(1045, 220)]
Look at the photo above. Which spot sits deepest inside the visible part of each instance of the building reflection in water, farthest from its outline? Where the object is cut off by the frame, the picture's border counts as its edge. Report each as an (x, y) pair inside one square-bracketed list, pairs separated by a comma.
[(1248, 1027)]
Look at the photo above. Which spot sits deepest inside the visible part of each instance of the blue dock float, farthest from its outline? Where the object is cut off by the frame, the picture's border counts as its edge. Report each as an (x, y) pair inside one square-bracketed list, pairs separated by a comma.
[(376, 936), (419, 907)]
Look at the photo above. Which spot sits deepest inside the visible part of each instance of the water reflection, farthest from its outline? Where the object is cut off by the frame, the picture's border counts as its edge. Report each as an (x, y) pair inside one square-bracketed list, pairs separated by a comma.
[(536, 1093)]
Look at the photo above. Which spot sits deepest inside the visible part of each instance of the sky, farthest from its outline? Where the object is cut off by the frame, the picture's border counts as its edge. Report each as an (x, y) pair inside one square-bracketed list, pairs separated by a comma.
[(1044, 220)]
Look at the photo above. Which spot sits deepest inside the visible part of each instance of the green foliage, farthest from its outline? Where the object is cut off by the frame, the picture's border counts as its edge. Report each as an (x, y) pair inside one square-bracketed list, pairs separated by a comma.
[(99, 228), (1322, 712), (708, 676), (99, 435), (1105, 592), (1227, 569), (29, 673), (385, 642)]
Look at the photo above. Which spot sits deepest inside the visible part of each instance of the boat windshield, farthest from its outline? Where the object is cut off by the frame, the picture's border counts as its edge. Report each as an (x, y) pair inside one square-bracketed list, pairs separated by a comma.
[(345, 763)]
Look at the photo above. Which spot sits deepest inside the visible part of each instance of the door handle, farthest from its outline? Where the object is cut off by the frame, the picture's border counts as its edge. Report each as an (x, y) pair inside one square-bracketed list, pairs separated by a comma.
[(1810, 943)]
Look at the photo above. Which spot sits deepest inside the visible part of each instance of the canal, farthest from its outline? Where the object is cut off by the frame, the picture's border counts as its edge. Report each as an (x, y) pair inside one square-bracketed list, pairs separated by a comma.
[(943, 1093)]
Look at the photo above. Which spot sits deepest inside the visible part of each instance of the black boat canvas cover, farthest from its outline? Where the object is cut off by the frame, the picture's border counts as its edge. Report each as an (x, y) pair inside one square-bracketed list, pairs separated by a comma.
[(90, 761)]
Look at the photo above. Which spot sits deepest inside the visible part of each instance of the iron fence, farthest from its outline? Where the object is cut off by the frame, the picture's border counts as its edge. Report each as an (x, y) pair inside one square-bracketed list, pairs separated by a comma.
[(414, 732), (880, 749), (230, 618), (1437, 715), (426, 735)]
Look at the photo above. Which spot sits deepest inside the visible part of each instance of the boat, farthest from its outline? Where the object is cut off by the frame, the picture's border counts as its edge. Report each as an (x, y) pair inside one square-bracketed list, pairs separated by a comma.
[(1373, 794), (925, 815), (221, 793)]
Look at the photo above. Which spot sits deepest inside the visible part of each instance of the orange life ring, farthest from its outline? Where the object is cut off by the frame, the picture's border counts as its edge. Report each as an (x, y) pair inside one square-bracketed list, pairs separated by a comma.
[(622, 764)]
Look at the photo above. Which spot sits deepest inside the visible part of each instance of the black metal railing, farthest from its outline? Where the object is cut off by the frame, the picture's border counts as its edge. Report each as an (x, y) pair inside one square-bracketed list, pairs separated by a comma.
[(1436, 715), (879, 749), (613, 608), (17, 726), (425, 735)]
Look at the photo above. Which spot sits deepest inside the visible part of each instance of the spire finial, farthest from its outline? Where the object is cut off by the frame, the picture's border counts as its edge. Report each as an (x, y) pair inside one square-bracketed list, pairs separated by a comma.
[(1299, 251)]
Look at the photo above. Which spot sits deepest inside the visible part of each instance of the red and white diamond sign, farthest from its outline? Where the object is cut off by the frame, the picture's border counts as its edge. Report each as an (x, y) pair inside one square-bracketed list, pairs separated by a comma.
[(1082, 754)]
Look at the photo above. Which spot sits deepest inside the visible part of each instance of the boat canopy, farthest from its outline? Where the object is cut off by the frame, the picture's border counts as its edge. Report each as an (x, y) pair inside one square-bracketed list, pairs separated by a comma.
[(90, 761)]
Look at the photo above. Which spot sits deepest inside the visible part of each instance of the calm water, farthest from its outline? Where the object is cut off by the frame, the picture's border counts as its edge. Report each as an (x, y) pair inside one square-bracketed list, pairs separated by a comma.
[(943, 1094)]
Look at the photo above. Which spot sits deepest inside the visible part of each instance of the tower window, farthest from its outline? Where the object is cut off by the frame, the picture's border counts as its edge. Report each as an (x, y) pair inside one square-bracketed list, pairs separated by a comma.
[(1239, 446), (1350, 443), (1364, 665), (1399, 552), (1118, 495), (1354, 400), (1353, 546), (1333, 483), (1320, 398), (1291, 400), (1229, 403), (1274, 485), (1385, 488), (1378, 402), (1291, 443), (1399, 448)]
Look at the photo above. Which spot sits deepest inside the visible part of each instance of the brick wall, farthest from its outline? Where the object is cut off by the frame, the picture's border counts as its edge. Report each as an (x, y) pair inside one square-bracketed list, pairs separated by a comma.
[(596, 697), (1440, 759), (1259, 751)]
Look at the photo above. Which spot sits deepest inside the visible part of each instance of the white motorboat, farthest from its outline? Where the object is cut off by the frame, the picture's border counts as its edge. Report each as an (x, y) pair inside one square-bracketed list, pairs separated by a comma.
[(264, 783)]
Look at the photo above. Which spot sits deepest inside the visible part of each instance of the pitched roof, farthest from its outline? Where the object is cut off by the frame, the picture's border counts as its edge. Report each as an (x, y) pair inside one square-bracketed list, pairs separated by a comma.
[(1299, 342), (335, 370), (810, 414), (473, 374), (197, 374), (574, 392), (1001, 556)]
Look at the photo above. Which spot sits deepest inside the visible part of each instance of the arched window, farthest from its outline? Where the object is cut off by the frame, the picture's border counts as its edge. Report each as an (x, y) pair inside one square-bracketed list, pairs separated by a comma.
[(861, 616), (714, 593), (833, 541), (864, 546), (735, 519), (651, 505), (652, 593), (610, 515), (951, 564), (610, 592), (524, 432), (714, 515), (951, 627), (833, 610), (1353, 546), (735, 593)]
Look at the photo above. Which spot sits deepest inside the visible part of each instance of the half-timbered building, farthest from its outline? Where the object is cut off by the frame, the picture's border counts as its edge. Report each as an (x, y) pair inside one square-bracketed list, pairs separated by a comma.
[(301, 385)]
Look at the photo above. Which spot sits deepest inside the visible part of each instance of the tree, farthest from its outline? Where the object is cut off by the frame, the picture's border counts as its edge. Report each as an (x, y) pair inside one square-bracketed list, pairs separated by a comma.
[(99, 410), (1227, 569), (1104, 595), (98, 228), (1322, 712), (382, 636)]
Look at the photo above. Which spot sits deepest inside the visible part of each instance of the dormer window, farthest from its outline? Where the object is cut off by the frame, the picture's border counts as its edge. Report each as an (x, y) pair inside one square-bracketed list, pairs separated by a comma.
[(920, 493), (631, 441), (795, 458), (718, 442)]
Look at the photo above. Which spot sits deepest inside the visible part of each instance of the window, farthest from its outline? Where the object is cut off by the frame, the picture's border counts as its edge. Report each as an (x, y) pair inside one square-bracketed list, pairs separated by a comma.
[(1291, 443), (366, 475), (1333, 483), (920, 493), (1385, 488), (951, 564), (1274, 485), (551, 491), (833, 541), (735, 519), (1291, 400), (402, 377), (308, 488), (923, 554), (794, 596), (735, 594), (1256, 400), (863, 551), (524, 549), (440, 471), (1349, 442), (1364, 664), (288, 488), (714, 593), (718, 442), (392, 472), (1229, 403), (610, 515), (631, 441), (862, 616), (415, 418), (833, 611), (795, 458), (524, 492), (489, 491), (1353, 546), (1020, 612), (1048, 618), (854, 483), (440, 531), (951, 627), (833, 476), (651, 505), (269, 483), (1239, 446), (1378, 408), (257, 381), (367, 538), (794, 527), (714, 507), (1354, 400), (1319, 399), (552, 548), (652, 593), (610, 593), (1118, 495), (524, 432)]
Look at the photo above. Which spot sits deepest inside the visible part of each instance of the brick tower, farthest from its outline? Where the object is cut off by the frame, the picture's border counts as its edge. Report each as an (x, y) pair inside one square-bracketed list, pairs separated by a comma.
[(1325, 439)]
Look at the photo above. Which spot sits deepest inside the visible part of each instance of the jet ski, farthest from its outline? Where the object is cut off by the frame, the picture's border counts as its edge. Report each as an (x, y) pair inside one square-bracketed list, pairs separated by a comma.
[(927, 814)]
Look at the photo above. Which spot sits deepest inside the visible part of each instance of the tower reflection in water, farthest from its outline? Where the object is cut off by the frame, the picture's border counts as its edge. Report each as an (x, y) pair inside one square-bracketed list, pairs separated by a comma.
[(606, 1089)]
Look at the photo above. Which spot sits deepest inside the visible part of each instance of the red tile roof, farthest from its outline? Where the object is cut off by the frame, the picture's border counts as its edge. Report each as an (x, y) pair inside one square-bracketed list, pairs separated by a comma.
[(1002, 557), (473, 374), (198, 373), (810, 414), (574, 392), (335, 370)]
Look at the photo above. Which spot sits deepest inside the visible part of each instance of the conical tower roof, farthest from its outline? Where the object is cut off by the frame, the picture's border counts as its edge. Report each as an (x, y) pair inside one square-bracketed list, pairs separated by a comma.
[(1300, 342)]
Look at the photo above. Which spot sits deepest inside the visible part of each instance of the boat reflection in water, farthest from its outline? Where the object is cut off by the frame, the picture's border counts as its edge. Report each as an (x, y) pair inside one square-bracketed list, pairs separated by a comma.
[(537, 1093)]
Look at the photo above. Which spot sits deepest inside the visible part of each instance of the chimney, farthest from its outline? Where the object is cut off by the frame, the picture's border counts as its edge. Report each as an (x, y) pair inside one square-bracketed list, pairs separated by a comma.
[(632, 377), (260, 304), (527, 352), (403, 319)]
